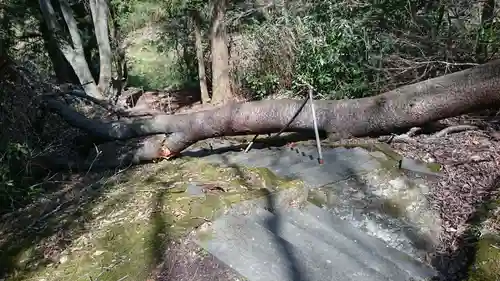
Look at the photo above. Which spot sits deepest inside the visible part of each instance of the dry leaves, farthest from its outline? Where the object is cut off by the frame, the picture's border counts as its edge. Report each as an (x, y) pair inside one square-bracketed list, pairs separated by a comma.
[(471, 162)]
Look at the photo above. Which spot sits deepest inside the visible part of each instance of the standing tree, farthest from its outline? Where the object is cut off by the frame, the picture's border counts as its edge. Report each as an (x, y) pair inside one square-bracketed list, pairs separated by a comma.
[(221, 81), (73, 48), (218, 38), (100, 12), (196, 20)]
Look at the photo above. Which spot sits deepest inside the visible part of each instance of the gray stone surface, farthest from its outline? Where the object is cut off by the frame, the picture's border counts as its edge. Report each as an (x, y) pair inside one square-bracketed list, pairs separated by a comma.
[(365, 224)]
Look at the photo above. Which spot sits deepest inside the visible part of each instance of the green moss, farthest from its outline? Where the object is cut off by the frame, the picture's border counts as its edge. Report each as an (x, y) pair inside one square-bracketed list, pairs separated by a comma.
[(434, 167), (486, 266), (122, 250), (131, 224), (272, 181), (317, 197)]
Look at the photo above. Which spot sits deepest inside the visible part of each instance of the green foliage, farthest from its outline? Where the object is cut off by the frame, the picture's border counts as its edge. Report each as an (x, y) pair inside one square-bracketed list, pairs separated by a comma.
[(356, 49), (262, 85), (160, 49), (154, 66), (338, 47), (136, 14), (12, 170)]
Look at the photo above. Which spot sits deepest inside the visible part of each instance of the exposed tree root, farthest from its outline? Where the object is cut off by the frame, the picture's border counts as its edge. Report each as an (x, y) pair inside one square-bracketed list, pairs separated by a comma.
[(408, 137), (454, 129)]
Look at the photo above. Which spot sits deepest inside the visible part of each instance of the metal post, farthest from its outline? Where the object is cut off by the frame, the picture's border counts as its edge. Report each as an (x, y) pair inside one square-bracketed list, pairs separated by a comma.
[(284, 128), (313, 110), (251, 143)]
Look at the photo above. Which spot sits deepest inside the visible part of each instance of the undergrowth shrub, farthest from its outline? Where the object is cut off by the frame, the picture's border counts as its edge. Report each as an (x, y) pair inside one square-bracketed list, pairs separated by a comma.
[(352, 49), (328, 45), (13, 176)]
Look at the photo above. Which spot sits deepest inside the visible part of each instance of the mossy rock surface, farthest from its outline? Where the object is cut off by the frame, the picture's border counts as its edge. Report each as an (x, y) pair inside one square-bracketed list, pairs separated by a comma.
[(486, 266), (123, 233)]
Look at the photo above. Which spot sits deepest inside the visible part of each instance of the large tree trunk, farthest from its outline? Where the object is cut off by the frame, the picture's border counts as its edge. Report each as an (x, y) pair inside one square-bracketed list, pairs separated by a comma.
[(119, 82), (74, 52), (409, 106), (200, 57), (100, 12), (221, 82)]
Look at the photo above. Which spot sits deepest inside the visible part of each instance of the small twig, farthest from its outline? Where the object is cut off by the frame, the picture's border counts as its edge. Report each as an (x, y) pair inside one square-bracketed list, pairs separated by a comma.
[(46, 215), (202, 218), (98, 152), (249, 12), (413, 131), (123, 278), (44, 182)]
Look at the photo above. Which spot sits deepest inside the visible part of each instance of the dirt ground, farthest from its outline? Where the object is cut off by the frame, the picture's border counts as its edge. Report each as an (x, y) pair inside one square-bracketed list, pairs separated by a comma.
[(133, 224)]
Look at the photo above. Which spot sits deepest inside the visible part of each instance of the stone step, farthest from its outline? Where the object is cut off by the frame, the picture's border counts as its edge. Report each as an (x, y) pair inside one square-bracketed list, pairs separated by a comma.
[(272, 158), (297, 245)]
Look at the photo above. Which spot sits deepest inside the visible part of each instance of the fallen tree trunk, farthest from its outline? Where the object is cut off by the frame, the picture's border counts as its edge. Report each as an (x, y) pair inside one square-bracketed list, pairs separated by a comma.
[(409, 106)]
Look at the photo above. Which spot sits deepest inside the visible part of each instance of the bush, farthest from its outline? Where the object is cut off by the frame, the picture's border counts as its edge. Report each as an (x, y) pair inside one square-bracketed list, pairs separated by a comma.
[(12, 176), (354, 49)]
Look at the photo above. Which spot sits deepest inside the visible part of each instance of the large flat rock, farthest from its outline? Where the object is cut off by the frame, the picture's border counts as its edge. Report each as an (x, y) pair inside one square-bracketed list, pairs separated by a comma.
[(360, 218)]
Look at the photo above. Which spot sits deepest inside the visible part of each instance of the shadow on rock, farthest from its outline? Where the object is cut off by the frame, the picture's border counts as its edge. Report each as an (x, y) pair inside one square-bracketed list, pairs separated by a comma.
[(274, 224)]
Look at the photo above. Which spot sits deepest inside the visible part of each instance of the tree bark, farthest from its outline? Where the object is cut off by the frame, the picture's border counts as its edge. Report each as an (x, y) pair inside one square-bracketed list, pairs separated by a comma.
[(100, 13), (487, 16), (62, 69), (221, 82), (409, 106), (120, 62), (200, 57)]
